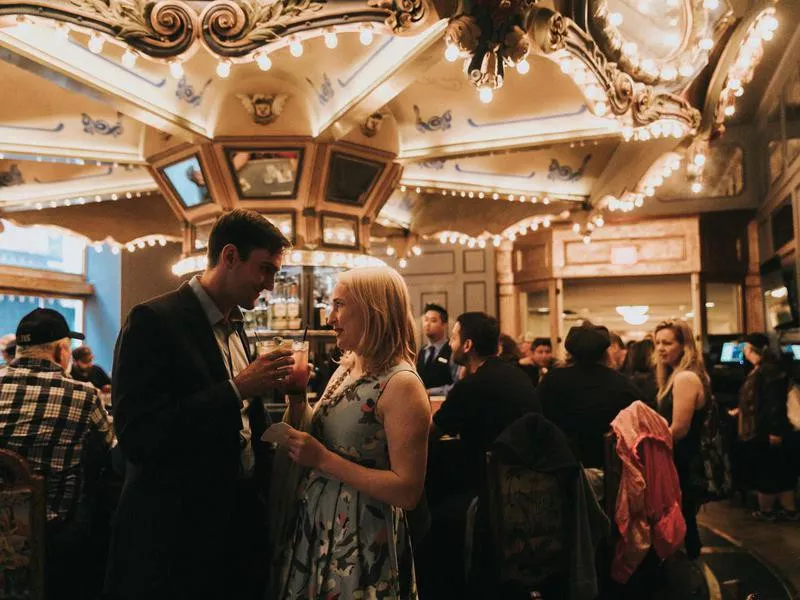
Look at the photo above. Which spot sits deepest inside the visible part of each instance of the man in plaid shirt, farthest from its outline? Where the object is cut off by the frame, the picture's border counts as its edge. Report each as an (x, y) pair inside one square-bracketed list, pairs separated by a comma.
[(46, 417)]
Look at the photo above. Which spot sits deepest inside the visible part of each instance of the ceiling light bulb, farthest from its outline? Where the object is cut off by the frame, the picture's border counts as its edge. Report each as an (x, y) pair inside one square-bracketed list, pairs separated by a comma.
[(729, 110), (129, 59), (600, 109), (296, 48), (697, 187), (263, 61), (486, 94), (615, 19), (523, 67), (23, 25), (451, 53), (365, 36), (331, 39), (576, 227), (96, 43), (223, 68), (706, 44), (669, 73), (402, 263), (390, 251), (630, 48), (176, 69), (416, 250), (700, 159), (711, 4), (63, 31), (685, 70)]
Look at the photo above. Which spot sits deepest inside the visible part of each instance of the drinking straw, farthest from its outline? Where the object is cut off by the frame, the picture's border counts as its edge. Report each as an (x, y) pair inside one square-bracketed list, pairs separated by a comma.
[(305, 333)]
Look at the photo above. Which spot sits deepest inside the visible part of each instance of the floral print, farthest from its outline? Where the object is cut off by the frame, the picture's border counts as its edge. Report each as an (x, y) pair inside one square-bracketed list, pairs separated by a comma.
[(347, 545)]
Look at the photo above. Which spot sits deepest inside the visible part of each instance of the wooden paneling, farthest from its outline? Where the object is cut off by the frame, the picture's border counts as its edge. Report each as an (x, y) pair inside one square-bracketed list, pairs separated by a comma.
[(474, 296), (532, 257), (724, 243), (15, 279), (657, 247), (433, 263), (474, 261)]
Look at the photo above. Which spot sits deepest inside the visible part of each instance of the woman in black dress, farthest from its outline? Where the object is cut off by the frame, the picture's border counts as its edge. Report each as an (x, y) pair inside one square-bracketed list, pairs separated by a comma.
[(683, 390)]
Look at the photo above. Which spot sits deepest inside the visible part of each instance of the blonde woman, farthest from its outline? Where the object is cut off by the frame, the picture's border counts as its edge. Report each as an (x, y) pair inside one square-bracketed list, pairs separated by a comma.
[(365, 448), (682, 395)]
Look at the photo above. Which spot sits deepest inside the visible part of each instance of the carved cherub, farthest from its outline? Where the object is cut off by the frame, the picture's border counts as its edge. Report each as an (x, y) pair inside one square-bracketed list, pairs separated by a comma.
[(372, 124), (263, 108)]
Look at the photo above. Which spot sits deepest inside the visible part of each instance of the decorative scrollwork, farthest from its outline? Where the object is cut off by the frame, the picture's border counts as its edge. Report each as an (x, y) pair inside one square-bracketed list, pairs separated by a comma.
[(161, 29), (463, 33), (236, 27), (403, 14), (548, 29), (649, 106), (101, 126)]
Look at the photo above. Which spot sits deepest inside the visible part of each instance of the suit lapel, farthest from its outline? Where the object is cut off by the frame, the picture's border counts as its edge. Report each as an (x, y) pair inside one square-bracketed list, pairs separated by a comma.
[(199, 330)]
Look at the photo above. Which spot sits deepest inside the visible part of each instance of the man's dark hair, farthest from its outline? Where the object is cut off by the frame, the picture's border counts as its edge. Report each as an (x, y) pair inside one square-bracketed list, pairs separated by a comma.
[(436, 308), (248, 231), (541, 341), (483, 330), (81, 353), (616, 339)]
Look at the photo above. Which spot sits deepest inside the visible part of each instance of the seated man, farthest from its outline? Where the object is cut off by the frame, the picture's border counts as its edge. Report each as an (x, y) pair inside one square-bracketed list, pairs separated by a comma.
[(585, 396), (49, 419), (538, 360), (493, 394), (84, 369)]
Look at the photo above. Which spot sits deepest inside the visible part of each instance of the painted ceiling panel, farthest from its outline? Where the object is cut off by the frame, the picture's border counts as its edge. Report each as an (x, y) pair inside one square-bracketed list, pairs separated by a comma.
[(442, 108)]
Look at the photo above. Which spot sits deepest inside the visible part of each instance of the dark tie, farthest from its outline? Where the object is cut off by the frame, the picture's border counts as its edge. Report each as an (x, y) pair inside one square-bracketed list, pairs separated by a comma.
[(431, 356)]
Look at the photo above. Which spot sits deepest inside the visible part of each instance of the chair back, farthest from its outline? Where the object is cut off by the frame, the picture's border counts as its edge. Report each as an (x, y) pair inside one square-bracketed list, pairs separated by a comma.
[(22, 529), (526, 517)]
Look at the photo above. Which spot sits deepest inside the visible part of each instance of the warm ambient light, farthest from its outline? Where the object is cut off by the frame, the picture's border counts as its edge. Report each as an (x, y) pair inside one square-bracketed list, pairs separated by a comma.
[(451, 54), (634, 315), (129, 59), (365, 36), (296, 48), (223, 68), (523, 67), (486, 94), (331, 39), (96, 43), (317, 258), (176, 69), (264, 61)]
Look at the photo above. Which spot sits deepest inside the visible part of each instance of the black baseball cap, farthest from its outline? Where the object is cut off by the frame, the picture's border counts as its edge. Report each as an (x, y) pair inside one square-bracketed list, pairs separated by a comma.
[(44, 325)]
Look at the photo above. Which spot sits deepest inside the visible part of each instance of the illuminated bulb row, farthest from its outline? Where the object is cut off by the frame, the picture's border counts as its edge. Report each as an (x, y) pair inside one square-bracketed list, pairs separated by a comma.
[(625, 204), (749, 55), (658, 174), (630, 50), (339, 235), (150, 240), (493, 195), (658, 129), (75, 201), (588, 83)]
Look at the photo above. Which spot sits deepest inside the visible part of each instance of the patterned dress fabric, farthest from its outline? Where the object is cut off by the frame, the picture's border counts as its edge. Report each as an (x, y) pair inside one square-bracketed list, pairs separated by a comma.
[(347, 545)]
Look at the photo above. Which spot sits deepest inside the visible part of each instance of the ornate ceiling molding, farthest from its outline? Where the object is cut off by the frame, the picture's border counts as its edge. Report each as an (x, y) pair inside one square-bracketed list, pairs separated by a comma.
[(168, 29), (159, 29), (556, 36)]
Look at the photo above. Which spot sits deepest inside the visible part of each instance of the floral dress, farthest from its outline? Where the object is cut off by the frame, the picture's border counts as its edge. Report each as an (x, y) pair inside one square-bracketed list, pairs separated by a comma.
[(347, 545)]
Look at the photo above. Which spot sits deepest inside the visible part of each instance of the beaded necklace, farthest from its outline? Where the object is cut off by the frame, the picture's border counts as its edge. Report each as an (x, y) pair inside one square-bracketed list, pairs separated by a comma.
[(334, 386)]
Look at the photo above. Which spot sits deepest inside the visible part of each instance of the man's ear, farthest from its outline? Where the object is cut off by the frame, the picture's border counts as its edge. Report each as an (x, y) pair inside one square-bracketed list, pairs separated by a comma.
[(229, 255), (466, 346)]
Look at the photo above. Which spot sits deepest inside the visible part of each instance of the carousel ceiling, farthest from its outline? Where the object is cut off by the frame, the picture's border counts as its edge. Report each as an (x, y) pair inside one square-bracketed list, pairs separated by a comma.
[(480, 118)]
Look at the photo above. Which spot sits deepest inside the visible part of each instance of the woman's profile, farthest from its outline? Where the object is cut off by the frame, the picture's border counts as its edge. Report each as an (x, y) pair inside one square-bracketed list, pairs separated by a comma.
[(364, 450)]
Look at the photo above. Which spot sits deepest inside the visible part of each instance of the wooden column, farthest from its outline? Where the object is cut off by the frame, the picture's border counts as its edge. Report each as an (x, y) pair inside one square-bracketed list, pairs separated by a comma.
[(508, 304), (699, 324), (754, 318)]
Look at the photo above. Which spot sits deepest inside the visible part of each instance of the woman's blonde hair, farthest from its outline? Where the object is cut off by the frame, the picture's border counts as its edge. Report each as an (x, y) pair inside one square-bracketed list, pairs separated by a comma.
[(382, 298), (691, 358)]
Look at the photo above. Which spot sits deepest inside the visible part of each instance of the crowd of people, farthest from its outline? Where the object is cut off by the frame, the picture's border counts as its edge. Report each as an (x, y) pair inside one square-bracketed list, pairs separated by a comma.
[(344, 498)]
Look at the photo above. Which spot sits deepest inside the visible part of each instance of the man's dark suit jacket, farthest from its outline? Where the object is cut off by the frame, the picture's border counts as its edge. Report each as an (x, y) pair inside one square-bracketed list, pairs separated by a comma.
[(177, 419), (435, 373)]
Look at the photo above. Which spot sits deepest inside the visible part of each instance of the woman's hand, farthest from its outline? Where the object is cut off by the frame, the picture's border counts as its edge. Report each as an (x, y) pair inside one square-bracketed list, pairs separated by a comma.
[(775, 440), (305, 449), (734, 412)]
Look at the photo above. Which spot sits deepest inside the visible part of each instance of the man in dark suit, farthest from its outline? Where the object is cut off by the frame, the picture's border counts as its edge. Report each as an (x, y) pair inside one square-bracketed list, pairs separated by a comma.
[(188, 416), (434, 366)]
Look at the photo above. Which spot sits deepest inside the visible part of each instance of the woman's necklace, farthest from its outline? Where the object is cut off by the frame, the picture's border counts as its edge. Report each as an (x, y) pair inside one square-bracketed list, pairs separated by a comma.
[(334, 386)]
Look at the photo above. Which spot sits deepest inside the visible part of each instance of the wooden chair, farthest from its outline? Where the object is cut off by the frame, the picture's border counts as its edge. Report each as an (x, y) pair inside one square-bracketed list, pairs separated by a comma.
[(22, 529)]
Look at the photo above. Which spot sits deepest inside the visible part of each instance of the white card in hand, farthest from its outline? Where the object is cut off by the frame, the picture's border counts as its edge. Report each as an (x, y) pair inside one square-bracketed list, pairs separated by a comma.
[(277, 433)]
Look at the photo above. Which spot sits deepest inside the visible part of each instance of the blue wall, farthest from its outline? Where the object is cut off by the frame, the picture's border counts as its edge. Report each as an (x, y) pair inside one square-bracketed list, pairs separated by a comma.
[(104, 309)]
